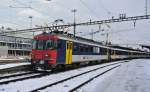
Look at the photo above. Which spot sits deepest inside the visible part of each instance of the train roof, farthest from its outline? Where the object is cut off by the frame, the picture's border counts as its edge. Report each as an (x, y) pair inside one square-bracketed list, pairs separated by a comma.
[(126, 48)]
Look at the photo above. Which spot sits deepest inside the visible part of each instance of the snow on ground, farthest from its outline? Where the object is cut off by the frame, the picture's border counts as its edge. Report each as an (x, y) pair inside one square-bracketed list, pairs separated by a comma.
[(30, 84), (70, 84), (5, 58), (13, 78), (9, 74), (133, 76), (13, 65)]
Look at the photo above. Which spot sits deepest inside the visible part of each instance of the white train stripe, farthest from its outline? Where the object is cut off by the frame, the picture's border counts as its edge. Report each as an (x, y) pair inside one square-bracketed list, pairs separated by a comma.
[(82, 58)]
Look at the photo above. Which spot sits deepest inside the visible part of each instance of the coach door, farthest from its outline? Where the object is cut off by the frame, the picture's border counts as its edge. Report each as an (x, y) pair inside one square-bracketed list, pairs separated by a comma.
[(114, 54), (69, 46)]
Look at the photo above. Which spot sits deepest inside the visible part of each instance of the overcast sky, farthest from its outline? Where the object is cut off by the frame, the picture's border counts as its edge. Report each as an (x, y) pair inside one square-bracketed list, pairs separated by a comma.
[(45, 12)]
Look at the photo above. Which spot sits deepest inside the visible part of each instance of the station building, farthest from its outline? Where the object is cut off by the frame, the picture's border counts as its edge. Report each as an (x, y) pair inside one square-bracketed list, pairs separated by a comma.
[(15, 46)]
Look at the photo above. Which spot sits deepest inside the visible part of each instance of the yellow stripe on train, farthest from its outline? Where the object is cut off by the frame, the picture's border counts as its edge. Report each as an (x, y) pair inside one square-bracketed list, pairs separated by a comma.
[(69, 46)]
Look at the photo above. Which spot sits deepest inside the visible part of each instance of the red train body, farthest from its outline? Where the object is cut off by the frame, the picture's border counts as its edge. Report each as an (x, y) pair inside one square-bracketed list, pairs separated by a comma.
[(42, 55)]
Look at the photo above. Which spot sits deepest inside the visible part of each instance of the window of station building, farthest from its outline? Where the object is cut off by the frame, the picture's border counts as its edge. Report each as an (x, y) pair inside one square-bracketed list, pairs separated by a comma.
[(2, 38), (0, 43), (3, 44), (12, 45), (28, 46), (9, 45)]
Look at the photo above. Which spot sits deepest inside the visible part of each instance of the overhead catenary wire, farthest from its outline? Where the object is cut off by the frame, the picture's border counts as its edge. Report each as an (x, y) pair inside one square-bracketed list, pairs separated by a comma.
[(30, 6), (103, 6), (87, 23), (92, 11), (10, 22), (121, 30), (117, 31)]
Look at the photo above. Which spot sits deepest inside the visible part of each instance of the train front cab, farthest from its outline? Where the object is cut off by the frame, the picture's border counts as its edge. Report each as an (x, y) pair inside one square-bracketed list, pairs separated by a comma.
[(44, 52)]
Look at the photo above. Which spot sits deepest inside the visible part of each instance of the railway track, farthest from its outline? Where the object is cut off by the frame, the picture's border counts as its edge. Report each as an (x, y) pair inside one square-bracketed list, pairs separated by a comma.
[(86, 82), (44, 76), (14, 75), (20, 77), (78, 75), (15, 69)]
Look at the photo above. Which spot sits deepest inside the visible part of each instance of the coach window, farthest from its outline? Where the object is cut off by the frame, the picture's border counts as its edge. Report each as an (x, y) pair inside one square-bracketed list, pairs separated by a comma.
[(91, 49), (98, 50), (34, 44), (87, 49), (75, 47), (40, 45), (50, 45)]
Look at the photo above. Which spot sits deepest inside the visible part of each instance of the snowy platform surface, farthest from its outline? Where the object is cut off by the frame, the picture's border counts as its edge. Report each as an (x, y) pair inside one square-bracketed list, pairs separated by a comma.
[(133, 76), (5, 66)]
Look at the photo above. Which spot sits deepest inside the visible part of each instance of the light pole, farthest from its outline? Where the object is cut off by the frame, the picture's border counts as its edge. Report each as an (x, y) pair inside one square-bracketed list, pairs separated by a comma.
[(146, 6), (92, 34), (74, 24), (31, 20)]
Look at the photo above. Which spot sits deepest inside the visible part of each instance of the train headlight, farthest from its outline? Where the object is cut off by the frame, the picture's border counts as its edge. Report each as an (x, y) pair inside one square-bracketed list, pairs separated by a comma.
[(46, 55)]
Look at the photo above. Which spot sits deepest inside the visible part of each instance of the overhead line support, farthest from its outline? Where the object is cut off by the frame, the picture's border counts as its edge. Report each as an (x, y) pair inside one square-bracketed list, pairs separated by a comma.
[(84, 24)]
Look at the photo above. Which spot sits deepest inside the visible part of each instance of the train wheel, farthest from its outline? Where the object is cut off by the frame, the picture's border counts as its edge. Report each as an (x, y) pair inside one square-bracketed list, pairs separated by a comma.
[(91, 63), (34, 68), (58, 68), (75, 65)]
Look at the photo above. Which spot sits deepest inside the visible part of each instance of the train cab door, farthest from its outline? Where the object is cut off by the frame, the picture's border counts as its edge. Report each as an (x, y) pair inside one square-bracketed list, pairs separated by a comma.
[(69, 46)]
